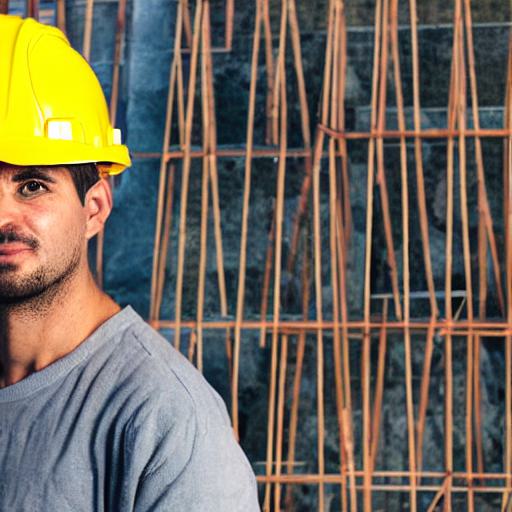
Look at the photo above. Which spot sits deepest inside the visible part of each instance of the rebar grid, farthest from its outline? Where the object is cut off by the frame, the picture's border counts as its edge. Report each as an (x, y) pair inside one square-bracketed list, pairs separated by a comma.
[(327, 148), (331, 127)]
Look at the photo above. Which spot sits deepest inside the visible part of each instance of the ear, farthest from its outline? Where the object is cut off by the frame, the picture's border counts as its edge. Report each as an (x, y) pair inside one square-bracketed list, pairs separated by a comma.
[(98, 205)]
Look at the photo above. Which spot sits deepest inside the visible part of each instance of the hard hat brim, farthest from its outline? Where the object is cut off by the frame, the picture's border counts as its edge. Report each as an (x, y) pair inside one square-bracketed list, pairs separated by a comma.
[(43, 152)]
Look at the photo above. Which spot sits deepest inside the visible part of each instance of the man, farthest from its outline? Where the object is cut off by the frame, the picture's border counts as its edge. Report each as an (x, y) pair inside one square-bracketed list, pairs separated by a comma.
[(97, 411)]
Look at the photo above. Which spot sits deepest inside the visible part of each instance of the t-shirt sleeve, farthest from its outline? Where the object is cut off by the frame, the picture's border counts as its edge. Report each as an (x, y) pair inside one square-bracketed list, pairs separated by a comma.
[(193, 463)]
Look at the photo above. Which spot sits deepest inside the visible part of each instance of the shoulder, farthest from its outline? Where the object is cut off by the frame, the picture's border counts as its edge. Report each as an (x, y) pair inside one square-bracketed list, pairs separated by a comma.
[(180, 429), (166, 377)]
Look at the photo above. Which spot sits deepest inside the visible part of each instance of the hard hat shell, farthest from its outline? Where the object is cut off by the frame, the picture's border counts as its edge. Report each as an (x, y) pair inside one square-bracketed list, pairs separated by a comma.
[(52, 108)]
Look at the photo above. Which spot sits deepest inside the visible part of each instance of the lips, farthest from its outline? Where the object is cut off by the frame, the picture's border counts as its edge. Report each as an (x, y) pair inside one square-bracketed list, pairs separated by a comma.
[(13, 248)]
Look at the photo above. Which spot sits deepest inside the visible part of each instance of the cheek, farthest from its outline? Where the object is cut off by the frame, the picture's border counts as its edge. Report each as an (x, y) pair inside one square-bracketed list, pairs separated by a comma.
[(55, 226)]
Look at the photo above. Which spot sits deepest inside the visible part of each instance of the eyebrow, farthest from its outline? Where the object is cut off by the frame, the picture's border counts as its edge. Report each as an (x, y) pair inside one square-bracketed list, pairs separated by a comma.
[(33, 174)]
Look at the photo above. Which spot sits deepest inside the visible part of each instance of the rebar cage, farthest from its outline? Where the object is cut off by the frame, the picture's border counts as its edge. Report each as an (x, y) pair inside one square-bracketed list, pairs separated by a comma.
[(368, 303)]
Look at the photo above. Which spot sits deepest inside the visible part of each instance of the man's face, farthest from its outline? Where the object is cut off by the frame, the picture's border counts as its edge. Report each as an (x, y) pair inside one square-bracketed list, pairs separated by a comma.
[(42, 231)]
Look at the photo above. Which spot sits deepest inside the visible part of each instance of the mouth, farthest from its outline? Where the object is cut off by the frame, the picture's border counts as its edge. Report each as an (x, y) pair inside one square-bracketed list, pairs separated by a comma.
[(12, 249)]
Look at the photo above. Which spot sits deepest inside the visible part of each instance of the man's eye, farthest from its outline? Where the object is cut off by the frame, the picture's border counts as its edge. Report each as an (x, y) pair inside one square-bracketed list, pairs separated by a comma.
[(32, 188)]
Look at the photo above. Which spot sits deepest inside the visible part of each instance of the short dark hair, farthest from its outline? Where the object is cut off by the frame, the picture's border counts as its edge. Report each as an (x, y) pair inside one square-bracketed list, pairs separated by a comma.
[(84, 176)]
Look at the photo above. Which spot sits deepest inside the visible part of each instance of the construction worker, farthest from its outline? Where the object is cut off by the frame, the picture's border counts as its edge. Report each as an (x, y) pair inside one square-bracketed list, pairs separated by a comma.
[(97, 411)]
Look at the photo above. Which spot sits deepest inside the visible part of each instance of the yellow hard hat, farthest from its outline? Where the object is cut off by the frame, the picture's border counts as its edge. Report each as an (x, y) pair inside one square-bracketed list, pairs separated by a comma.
[(52, 107)]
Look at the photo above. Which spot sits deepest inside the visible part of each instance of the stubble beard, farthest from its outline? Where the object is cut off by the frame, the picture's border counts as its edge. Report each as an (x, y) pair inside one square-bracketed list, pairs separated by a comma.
[(37, 291)]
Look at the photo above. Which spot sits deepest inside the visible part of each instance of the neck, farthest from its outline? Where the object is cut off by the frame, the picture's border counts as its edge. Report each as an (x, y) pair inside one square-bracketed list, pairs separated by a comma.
[(39, 331)]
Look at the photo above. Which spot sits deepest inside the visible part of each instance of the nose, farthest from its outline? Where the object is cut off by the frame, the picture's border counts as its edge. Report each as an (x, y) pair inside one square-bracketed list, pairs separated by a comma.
[(10, 210)]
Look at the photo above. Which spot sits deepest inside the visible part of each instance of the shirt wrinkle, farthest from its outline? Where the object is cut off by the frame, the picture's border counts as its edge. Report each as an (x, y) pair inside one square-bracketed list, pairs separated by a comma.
[(173, 371)]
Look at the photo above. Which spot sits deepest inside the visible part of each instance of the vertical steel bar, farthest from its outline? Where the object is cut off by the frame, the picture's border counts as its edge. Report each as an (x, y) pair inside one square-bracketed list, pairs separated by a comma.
[(230, 17), (153, 309), (507, 197), (485, 228), (342, 144), (418, 153), (335, 50), (118, 45), (267, 276), (61, 15), (453, 105), (319, 314), (192, 344), (347, 413), (186, 171), (180, 99), (342, 272), (424, 395), (166, 237), (203, 254), (297, 378), (280, 200), (89, 18), (478, 405), (365, 371), (334, 73), (299, 72), (281, 174), (347, 424), (270, 424), (207, 147), (245, 214), (326, 84), (33, 9), (269, 66), (338, 369), (187, 24), (306, 133), (379, 385), (281, 56), (461, 121), (405, 248), (280, 417), (212, 157), (381, 173), (482, 189), (333, 233)]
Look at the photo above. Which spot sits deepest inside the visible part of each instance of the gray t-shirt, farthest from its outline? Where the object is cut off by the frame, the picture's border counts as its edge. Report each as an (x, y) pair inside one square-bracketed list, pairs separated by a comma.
[(122, 423)]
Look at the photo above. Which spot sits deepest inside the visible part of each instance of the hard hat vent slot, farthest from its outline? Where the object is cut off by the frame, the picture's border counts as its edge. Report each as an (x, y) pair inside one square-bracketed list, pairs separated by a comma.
[(117, 136), (59, 130)]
